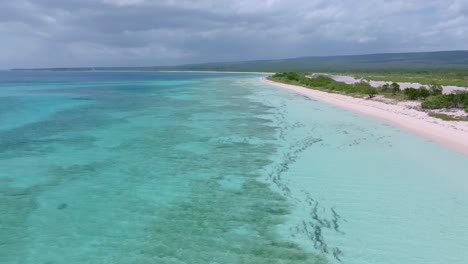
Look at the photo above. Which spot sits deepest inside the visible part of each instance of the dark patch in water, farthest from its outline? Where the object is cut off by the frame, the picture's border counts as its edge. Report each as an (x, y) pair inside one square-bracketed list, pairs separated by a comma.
[(320, 217), (62, 206)]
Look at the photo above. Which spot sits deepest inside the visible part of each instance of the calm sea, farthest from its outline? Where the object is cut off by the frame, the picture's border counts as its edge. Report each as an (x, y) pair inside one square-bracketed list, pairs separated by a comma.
[(148, 167)]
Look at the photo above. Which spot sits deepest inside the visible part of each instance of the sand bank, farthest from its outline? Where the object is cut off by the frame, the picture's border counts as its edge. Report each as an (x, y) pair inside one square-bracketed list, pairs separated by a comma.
[(453, 134)]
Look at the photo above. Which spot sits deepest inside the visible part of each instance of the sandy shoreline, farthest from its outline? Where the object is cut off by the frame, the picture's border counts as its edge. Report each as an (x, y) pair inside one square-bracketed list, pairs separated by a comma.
[(453, 134)]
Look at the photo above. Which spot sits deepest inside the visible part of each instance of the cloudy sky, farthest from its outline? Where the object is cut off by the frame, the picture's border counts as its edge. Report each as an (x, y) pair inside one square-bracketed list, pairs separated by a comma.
[(53, 33)]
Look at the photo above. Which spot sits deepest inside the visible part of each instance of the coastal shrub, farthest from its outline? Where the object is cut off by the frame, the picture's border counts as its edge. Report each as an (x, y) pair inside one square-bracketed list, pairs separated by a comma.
[(395, 88), (462, 97), (293, 76), (454, 100), (385, 87), (320, 81), (411, 93), (436, 102), (370, 91), (340, 86), (414, 94), (326, 82), (362, 87), (278, 75), (436, 89), (447, 117), (423, 92)]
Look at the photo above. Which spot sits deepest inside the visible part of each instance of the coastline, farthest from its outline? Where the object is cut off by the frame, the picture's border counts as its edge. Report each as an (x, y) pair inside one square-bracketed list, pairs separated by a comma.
[(453, 134)]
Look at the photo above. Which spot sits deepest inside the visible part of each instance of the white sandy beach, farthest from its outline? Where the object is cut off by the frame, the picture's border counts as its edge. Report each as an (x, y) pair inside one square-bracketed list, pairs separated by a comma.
[(453, 134)]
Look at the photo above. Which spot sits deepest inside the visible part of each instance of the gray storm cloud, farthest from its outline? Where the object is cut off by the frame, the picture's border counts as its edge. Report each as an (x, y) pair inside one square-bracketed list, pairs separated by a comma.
[(66, 33)]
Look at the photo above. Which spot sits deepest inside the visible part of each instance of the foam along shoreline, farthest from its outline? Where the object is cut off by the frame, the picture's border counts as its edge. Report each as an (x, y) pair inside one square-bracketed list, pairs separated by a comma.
[(453, 134)]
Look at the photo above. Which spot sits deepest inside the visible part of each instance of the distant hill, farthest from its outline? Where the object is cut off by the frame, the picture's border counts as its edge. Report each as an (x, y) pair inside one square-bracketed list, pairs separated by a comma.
[(389, 61)]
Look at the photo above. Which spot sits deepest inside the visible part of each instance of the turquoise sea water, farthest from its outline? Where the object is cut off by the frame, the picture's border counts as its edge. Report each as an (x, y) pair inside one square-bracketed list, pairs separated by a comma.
[(215, 168)]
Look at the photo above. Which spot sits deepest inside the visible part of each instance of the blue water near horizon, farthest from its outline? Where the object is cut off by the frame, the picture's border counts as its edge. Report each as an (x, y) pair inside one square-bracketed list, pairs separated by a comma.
[(159, 167)]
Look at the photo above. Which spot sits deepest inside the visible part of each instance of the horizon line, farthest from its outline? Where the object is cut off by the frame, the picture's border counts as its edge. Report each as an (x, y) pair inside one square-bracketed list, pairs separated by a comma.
[(235, 61)]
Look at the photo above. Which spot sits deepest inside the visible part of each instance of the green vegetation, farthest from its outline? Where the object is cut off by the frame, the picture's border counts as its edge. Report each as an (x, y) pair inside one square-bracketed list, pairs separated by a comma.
[(436, 89), (454, 100), (454, 76), (421, 93), (447, 117), (325, 83), (369, 90), (411, 93), (395, 88), (432, 97)]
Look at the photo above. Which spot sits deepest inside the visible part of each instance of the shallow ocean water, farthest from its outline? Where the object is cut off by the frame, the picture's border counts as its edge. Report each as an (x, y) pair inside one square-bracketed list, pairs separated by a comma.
[(123, 167)]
